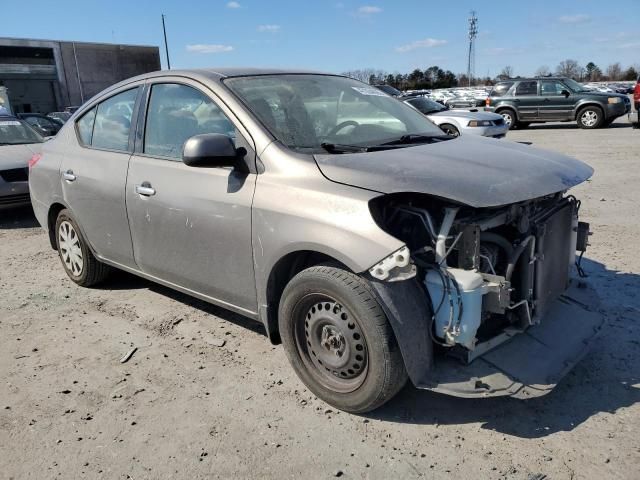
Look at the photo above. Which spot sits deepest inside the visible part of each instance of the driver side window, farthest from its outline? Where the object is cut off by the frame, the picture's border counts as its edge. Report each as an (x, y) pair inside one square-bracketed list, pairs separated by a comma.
[(176, 113), (549, 87)]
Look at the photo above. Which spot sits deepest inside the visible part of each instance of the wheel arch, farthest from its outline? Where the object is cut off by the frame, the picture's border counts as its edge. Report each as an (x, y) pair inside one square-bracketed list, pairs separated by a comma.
[(588, 103), (283, 270), (52, 215), (502, 107)]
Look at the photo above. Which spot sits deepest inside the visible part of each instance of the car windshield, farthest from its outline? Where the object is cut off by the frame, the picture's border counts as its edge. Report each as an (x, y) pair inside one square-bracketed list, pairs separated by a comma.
[(309, 112), (573, 85), (426, 106), (16, 132)]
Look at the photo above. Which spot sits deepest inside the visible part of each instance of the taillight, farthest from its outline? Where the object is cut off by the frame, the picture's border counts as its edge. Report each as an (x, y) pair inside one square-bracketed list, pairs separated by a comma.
[(487, 102), (34, 159), (636, 92)]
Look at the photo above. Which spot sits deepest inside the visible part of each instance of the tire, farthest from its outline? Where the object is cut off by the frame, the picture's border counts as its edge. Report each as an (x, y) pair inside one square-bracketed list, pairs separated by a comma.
[(590, 117), (450, 129), (509, 116), (76, 257), (339, 341)]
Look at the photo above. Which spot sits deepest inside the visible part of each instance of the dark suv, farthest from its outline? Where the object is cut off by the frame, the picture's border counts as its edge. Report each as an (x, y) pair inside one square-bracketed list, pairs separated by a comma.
[(525, 100)]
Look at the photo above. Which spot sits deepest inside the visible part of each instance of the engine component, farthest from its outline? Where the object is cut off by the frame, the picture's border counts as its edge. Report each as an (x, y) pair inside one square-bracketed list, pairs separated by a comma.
[(441, 247), (456, 296), (395, 267)]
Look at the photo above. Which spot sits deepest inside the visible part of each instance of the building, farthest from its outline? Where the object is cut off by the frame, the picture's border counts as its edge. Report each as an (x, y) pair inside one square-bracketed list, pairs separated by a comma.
[(48, 75)]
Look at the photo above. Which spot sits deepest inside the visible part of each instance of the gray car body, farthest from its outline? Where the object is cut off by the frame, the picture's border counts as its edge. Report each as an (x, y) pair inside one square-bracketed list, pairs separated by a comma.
[(229, 237)]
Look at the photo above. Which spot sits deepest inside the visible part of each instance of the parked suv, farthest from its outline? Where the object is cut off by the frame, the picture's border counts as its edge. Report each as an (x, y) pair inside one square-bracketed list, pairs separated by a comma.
[(526, 100), (372, 245)]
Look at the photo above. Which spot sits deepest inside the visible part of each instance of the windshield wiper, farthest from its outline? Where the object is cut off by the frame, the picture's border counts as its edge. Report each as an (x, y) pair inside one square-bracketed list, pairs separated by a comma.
[(416, 138), (342, 148)]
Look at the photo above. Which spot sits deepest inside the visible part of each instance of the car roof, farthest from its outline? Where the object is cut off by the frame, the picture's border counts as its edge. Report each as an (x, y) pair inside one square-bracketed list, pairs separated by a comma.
[(531, 79)]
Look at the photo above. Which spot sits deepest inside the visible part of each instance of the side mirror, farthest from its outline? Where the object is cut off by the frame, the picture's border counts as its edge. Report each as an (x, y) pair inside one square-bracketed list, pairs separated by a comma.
[(211, 150), (566, 93)]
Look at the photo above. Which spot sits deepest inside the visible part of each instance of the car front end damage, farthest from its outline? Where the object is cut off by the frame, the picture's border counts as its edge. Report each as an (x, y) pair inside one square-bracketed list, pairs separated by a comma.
[(486, 301)]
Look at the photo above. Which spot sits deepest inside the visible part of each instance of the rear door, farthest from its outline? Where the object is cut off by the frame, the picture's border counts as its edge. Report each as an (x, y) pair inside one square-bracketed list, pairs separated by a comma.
[(94, 174), (527, 100), (554, 104), (191, 226)]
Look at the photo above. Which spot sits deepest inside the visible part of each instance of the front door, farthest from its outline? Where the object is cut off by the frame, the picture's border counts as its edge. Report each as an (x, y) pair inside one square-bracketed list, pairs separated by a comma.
[(527, 100), (555, 105), (94, 172), (191, 226)]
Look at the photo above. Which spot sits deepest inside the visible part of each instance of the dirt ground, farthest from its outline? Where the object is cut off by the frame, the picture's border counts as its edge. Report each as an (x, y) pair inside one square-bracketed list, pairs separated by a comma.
[(185, 407)]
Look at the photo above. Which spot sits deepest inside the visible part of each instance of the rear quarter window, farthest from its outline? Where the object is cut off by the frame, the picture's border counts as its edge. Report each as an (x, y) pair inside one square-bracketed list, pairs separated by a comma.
[(527, 88), (85, 126), (501, 89)]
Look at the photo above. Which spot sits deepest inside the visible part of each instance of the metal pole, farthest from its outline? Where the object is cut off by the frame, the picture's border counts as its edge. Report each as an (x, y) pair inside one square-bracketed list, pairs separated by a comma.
[(75, 58), (166, 46)]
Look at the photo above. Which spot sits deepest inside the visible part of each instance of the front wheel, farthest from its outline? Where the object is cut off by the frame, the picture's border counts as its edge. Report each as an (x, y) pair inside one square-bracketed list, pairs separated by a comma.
[(76, 257), (339, 340), (590, 117), (450, 129)]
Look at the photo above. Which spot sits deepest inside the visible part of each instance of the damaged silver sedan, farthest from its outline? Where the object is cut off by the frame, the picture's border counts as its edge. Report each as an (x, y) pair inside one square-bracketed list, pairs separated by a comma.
[(372, 246)]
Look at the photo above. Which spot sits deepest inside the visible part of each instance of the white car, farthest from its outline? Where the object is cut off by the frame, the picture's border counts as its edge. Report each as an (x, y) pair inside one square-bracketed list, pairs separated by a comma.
[(456, 122)]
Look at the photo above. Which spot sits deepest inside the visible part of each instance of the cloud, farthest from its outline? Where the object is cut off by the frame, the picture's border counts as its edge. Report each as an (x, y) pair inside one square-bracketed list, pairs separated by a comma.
[(630, 45), (426, 43), (208, 48), (575, 19), (369, 10), (269, 28), (233, 5)]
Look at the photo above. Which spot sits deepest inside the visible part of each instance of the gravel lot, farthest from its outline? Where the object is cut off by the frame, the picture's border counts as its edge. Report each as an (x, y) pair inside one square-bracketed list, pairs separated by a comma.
[(185, 407)]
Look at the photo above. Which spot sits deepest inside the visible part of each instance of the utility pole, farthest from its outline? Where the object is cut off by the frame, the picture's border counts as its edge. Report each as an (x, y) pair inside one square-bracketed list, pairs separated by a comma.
[(471, 58), (166, 46)]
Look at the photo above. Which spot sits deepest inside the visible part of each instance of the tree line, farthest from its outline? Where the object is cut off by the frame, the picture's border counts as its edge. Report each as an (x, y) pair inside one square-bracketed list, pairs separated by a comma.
[(436, 77)]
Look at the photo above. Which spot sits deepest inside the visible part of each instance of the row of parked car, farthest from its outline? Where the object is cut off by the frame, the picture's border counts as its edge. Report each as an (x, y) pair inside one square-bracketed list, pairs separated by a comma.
[(523, 101)]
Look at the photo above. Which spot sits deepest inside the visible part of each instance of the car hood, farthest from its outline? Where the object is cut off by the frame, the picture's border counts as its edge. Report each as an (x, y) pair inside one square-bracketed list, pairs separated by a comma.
[(16, 156), (475, 171), (466, 114)]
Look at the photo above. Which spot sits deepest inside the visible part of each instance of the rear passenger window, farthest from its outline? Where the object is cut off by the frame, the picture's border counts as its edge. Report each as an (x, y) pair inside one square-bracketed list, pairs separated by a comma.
[(85, 126), (527, 88), (113, 121), (176, 113)]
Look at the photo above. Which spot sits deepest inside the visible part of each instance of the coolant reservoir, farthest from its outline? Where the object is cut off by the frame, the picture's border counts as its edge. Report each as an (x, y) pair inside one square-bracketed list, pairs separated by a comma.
[(447, 324)]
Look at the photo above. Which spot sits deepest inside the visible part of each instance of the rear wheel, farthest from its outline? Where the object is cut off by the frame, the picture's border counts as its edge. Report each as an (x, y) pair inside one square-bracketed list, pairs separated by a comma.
[(590, 117), (76, 257), (450, 129), (510, 118), (339, 341)]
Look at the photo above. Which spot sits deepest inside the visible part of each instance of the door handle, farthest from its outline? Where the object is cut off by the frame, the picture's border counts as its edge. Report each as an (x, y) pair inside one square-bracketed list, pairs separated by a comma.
[(69, 176), (145, 189)]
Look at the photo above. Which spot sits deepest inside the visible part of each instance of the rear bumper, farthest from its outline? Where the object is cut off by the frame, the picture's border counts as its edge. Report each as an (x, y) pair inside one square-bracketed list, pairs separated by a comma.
[(633, 117), (14, 194), (530, 364)]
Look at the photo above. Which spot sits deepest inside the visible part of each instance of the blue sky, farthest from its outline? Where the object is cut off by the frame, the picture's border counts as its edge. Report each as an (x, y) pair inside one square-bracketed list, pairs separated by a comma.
[(342, 35)]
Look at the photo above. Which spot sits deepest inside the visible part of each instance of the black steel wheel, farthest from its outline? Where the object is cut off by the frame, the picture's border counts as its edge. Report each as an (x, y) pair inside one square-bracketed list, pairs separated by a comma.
[(339, 340)]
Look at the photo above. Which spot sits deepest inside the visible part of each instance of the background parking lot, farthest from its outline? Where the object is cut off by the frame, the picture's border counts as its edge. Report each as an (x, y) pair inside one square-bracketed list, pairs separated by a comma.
[(205, 394)]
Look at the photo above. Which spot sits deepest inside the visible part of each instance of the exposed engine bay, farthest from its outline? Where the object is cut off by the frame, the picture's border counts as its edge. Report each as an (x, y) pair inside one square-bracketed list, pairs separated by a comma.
[(489, 273)]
